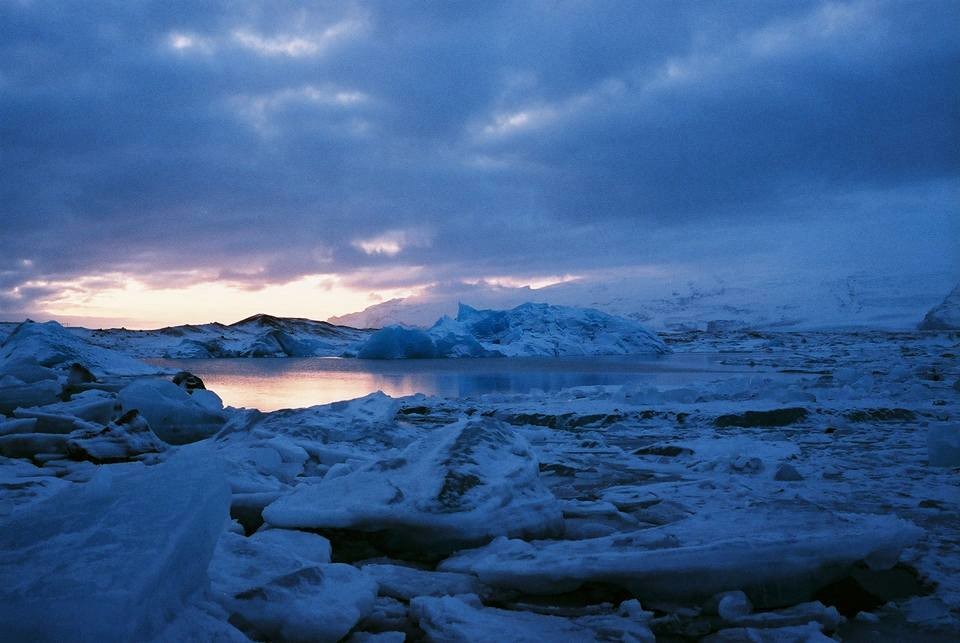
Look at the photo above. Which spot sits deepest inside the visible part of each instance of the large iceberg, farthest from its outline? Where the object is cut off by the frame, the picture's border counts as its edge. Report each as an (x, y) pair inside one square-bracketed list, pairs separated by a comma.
[(461, 485), (945, 315), (397, 342), (51, 345), (114, 559), (527, 330)]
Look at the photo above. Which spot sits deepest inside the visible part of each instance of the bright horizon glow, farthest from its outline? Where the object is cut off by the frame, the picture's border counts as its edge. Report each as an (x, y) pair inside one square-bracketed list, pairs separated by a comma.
[(114, 300), (132, 303)]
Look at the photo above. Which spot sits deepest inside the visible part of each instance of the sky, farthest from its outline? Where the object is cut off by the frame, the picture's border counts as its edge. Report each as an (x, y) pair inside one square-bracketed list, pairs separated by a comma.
[(170, 162)]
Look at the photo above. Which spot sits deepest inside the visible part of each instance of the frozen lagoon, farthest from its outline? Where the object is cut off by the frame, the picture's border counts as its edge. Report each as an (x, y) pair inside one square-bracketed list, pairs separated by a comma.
[(750, 487), (269, 384)]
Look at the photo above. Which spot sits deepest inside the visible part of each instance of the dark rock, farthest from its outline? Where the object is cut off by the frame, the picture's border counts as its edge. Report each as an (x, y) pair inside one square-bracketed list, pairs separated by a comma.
[(79, 374), (558, 469), (665, 450), (602, 419), (189, 381), (865, 590), (27, 445), (787, 473), (120, 441), (414, 410), (537, 419), (744, 464), (881, 415), (758, 419)]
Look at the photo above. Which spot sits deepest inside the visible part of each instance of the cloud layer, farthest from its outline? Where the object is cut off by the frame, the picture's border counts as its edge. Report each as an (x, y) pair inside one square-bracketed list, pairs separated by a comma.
[(394, 144)]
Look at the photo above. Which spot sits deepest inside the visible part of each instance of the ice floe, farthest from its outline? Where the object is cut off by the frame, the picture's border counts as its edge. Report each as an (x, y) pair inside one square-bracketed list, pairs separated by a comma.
[(114, 559), (173, 413), (776, 559), (463, 484), (280, 584)]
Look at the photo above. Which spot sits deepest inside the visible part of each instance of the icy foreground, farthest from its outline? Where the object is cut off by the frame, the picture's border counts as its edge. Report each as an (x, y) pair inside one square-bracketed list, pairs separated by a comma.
[(528, 330), (459, 486), (775, 559), (813, 498), (116, 558)]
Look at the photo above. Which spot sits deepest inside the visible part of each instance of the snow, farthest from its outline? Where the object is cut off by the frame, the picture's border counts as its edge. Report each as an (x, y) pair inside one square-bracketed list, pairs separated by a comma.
[(113, 559), (945, 315), (464, 484)]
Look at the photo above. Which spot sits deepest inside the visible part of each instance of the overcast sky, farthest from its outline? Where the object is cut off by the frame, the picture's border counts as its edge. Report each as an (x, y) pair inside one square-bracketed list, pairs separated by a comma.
[(234, 157)]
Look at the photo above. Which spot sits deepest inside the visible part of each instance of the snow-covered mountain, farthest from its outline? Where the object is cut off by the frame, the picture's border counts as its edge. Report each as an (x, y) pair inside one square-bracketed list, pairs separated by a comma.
[(945, 315), (883, 302), (257, 336), (527, 330)]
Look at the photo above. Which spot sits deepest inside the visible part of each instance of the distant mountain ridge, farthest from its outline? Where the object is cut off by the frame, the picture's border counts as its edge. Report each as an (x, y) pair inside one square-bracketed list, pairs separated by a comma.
[(865, 301), (260, 335)]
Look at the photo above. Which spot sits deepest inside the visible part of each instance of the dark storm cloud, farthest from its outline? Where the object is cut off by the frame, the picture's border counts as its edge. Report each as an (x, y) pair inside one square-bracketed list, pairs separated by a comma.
[(257, 142)]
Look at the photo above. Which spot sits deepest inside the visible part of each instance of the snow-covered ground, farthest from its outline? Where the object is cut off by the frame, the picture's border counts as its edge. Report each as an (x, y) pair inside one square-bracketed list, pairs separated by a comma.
[(826, 503)]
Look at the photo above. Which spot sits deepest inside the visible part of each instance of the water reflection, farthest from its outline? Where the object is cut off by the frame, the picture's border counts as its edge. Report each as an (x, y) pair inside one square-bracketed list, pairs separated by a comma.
[(270, 384)]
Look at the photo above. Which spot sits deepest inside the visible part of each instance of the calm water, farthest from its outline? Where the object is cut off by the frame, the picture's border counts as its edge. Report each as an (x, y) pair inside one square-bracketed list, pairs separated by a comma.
[(273, 383)]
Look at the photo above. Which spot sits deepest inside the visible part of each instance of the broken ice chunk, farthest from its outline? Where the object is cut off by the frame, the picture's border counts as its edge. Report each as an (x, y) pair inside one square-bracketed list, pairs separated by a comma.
[(112, 559), (775, 558), (459, 486)]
